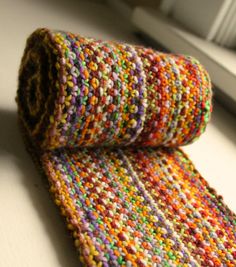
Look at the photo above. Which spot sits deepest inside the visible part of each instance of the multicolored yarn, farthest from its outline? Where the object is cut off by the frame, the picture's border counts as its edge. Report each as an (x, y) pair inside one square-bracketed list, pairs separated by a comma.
[(77, 91), (104, 121), (140, 207)]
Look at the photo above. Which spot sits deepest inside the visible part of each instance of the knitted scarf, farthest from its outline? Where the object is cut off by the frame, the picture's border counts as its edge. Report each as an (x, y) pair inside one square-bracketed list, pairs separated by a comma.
[(104, 121)]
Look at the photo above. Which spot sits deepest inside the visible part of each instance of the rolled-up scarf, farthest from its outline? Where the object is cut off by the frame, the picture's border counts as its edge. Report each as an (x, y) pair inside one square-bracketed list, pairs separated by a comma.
[(104, 121)]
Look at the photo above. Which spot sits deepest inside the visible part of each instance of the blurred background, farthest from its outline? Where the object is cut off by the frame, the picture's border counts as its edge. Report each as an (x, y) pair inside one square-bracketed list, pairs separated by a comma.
[(32, 232)]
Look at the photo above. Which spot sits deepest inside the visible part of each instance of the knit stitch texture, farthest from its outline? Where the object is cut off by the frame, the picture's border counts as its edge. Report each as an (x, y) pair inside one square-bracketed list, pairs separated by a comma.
[(104, 121)]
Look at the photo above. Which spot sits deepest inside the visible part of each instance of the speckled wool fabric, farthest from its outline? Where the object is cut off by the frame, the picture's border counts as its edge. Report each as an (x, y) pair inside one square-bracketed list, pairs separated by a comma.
[(104, 121)]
